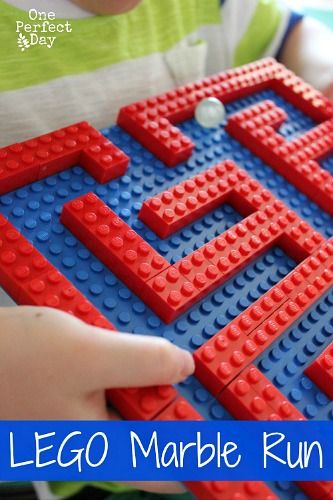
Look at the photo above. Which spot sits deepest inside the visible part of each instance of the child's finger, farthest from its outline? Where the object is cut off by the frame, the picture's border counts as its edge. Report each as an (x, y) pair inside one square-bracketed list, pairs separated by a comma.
[(125, 360)]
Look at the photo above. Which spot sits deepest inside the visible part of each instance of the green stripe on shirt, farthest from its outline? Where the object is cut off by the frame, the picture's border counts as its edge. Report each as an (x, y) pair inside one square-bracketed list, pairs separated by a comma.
[(95, 42), (260, 32)]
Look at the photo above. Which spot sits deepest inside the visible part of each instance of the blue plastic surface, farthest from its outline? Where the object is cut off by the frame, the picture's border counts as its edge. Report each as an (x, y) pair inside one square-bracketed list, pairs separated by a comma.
[(35, 210)]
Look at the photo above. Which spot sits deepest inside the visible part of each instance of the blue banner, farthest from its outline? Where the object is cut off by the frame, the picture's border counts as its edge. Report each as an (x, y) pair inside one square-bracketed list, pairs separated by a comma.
[(119, 451)]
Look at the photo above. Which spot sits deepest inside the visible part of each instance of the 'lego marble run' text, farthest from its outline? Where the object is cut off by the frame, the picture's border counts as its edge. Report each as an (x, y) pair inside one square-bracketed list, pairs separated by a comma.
[(221, 453)]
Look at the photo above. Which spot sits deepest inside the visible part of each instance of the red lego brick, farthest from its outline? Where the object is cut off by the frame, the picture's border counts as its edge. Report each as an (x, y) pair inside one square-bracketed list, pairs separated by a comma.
[(203, 275), (251, 396), (184, 203), (316, 144), (255, 234), (94, 214), (318, 490), (321, 371), (173, 209), (232, 490), (80, 143), (263, 308), (281, 406), (248, 195), (304, 285), (299, 240), (223, 357), (92, 316), (244, 403), (225, 255), (317, 269), (179, 409), (52, 289), (226, 354), (104, 161), (18, 167), (255, 128), (19, 260), (310, 279), (243, 81), (259, 122), (244, 241), (143, 403), (61, 149), (231, 85), (156, 134), (282, 318), (302, 95), (169, 294), (296, 159), (113, 241), (28, 161), (30, 279), (318, 183), (320, 180), (213, 356), (177, 288)]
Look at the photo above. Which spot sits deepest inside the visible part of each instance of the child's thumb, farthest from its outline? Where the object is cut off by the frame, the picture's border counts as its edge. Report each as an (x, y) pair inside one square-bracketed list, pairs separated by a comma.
[(119, 360)]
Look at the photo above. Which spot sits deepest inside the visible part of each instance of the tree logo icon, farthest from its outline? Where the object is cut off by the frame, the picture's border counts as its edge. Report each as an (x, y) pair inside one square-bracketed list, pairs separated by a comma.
[(23, 42)]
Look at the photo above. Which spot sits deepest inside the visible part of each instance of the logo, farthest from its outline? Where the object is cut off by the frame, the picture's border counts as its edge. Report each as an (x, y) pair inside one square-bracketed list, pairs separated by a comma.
[(41, 31)]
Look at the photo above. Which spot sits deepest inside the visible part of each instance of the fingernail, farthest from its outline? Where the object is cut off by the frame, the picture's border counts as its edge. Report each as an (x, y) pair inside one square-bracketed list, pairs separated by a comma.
[(188, 364)]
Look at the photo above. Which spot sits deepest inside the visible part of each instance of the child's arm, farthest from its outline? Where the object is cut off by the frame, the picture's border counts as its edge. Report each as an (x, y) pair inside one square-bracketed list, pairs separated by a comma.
[(54, 366), (308, 51)]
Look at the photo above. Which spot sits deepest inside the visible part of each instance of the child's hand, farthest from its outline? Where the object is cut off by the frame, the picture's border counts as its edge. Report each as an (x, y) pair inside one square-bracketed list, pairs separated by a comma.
[(54, 366)]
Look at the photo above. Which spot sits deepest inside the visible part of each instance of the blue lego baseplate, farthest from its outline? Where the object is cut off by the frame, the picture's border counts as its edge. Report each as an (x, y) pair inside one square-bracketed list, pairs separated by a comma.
[(35, 210)]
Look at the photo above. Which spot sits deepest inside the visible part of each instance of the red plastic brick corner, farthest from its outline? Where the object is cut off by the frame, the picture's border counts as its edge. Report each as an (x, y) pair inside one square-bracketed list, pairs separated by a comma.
[(37, 158), (321, 371), (238, 344), (179, 409), (223, 490), (30, 279), (152, 121), (142, 403), (112, 241), (251, 396), (255, 128)]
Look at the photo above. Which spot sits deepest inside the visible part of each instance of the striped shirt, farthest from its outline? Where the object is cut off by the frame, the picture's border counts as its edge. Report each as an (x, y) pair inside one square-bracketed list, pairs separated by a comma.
[(107, 61)]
